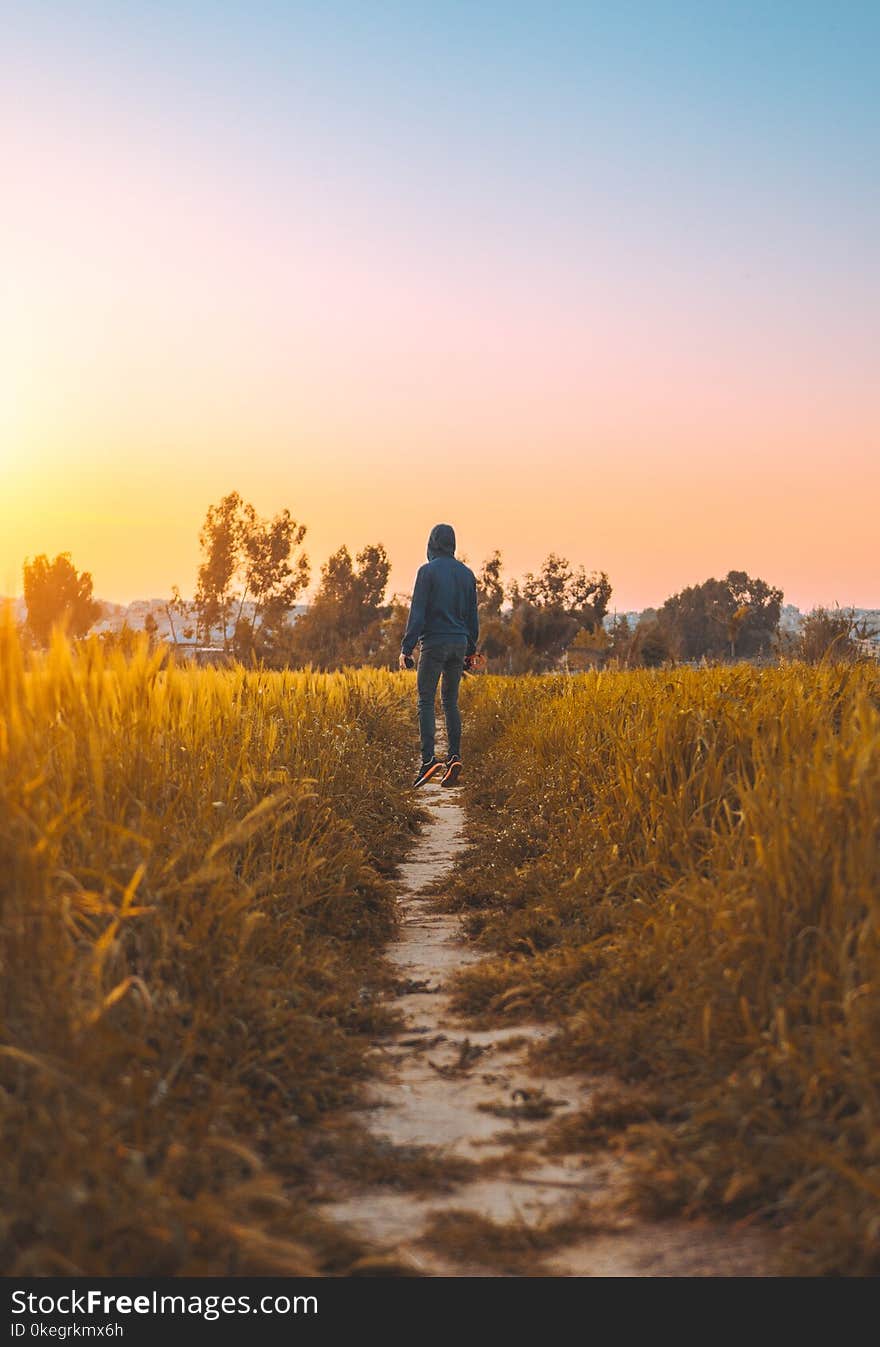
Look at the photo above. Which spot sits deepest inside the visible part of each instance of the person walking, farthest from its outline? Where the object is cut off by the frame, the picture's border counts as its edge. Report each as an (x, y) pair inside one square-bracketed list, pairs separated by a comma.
[(443, 620)]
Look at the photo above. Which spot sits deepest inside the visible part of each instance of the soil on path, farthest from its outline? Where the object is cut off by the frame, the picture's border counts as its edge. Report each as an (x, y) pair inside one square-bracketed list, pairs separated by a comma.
[(473, 1101)]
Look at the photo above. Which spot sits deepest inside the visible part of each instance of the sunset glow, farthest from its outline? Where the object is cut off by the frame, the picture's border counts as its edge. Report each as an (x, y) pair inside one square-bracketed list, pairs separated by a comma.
[(577, 280)]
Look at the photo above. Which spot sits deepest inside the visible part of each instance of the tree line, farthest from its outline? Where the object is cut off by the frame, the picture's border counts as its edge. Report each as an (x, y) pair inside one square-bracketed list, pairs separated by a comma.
[(253, 571)]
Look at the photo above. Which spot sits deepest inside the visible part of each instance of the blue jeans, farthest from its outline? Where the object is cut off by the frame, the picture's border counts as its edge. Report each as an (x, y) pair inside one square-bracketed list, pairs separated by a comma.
[(438, 658)]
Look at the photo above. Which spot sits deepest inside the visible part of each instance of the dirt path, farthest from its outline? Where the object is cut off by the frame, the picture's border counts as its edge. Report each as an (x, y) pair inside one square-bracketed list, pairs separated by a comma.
[(473, 1100)]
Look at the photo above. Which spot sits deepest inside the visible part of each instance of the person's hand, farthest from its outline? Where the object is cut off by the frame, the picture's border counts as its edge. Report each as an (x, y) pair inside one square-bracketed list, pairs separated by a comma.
[(406, 662)]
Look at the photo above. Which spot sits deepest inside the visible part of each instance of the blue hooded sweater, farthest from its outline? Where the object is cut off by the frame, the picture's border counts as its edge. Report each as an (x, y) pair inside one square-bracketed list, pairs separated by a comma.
[(444, 601)]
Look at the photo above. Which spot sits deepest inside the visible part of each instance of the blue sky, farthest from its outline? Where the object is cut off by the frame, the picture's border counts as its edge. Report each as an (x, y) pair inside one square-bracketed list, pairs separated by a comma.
[(625, 239)]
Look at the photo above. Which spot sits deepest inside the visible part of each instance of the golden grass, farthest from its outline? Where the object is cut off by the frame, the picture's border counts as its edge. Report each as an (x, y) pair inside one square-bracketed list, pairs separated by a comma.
[(515, 1249), (685, 876), (191, 906)]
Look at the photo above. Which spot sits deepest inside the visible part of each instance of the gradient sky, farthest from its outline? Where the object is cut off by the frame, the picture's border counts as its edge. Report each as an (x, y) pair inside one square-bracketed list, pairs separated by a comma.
[(587, 277)]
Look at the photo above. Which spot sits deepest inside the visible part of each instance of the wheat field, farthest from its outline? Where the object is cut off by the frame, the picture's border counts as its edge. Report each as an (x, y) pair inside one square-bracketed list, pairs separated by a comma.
[(687, 880), (677, 868), (193, 894)]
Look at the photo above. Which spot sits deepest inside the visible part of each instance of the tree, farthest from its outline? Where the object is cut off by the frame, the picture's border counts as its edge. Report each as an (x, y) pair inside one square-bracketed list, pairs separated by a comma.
[(346, 622), (248, 558), (557, 586), (589, 596), (220, 539), (184, 609), (391, 626), (650, 645), (550, 608), (546, 630), (490, 587), (373, 569), (57, 595), (734, 616), (754, 623), (589, 649), (357, 590), (270, 579), (695, 621), (498, 638), (550, 587)]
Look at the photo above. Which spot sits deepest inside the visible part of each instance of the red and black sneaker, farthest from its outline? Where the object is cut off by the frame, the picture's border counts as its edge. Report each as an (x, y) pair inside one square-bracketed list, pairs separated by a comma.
[(452, 772), (427, 770)]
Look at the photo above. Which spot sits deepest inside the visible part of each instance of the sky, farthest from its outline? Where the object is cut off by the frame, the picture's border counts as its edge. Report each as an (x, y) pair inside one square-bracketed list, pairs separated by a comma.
[(599, 279)]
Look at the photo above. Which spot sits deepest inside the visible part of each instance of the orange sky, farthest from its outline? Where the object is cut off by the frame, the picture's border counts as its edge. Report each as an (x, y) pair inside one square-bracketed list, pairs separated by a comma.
[(625, 341)]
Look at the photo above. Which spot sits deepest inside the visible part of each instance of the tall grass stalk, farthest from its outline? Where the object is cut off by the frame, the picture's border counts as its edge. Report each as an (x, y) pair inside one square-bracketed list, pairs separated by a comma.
[(682, 869), (192, 900)]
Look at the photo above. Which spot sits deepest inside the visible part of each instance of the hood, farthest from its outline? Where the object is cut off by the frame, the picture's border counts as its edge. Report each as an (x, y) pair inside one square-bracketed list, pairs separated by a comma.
[(441, 542)]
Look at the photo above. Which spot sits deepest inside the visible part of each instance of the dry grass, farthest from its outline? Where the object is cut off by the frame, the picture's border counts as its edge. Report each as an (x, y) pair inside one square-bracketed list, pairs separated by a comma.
[(515, 1249), (612, 1109), (192, 904), (362, 1160), (686, 878)]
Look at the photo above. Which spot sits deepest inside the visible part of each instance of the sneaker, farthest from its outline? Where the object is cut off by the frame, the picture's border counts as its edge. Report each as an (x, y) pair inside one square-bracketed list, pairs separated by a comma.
[(452, 772), (427, 770)]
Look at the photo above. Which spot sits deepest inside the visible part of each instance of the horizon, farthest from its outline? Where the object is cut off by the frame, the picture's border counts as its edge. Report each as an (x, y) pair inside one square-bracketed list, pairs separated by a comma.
[(613, 608), (605, 280)]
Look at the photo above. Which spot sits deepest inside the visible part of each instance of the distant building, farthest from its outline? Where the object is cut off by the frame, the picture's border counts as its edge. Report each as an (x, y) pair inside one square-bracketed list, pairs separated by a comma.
[(207, 656), (790, 619)]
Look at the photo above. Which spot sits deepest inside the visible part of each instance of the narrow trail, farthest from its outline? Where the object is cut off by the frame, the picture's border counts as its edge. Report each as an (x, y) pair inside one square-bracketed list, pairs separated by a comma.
[(473, 1096)]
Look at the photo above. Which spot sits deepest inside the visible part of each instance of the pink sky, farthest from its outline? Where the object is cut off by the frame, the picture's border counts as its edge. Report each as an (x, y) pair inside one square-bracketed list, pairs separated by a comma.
[(663, 368)]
